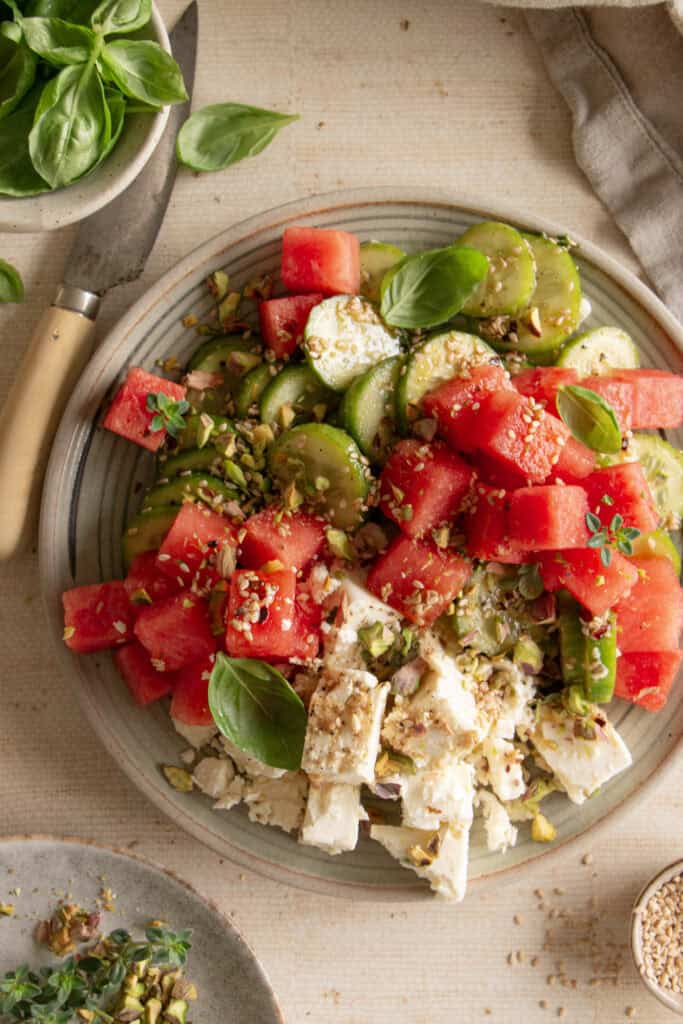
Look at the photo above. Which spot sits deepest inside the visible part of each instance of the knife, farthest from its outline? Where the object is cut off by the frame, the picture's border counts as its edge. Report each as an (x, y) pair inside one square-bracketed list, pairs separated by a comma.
[(111, 248)]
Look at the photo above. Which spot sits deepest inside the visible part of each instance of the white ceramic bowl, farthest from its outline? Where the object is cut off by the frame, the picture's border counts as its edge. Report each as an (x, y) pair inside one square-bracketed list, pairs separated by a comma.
[(672, 1000), (139, 139)]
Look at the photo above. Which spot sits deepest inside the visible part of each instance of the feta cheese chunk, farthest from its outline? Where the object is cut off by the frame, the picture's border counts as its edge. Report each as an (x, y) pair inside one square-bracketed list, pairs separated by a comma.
[(443, 793), (344, 722), (332, 815), (213, 775), (247, 764), (278, 801), (358, 609), (514, 712), (505, 774), (196, 735), (500, 832), (582, 753), (440, 857)]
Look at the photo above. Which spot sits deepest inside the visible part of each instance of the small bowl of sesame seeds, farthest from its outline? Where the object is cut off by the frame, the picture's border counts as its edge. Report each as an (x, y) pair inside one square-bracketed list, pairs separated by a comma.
[(657, 936)]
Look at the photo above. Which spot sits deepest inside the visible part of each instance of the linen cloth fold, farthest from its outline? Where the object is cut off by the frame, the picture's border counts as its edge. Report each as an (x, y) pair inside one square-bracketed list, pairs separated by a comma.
[(620, 70)]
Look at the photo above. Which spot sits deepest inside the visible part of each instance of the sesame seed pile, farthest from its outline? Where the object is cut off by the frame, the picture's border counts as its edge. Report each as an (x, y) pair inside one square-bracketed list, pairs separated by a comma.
[(662, 936)]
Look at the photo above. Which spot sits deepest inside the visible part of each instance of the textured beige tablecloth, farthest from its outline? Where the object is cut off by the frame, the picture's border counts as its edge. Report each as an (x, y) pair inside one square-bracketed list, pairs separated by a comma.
[(445, 94)]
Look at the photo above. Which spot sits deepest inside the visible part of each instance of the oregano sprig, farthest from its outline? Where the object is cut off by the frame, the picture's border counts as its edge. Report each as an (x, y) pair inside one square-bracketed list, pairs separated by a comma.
[(168, 413), (614, 536)]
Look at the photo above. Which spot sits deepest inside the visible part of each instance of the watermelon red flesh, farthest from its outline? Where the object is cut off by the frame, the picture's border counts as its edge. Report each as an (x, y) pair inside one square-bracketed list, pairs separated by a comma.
[(422, 486), (455, 404), (496, 475), (542, 383), (548, 517), (176, 631), (650, 617), (293, 538), (145, 683), (194, 542), (97, 616), (580, 571), (646, 677), (487, 528), (629, 491), (320, 260), (262, 620), (418, 578), (128, 414), (510, 429), (576, 462), (190, 701), (620, 394), (657, 398), (283, 321), (145, 584)]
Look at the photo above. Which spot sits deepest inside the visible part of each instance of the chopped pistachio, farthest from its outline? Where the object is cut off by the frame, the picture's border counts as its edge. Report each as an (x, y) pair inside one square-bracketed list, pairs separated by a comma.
[(234, 473), (226, 561), (286, 415), (319, 411), (228, 306), (178, 778), (442, 536), (6, 909), (69, 631), (140, 596), (534, 322), (339, 544), (528, 655), (575, 701), (262, 434), (218, 283), (292, 497), (274, 565), (376, 639), (204, 429), (542, 830)]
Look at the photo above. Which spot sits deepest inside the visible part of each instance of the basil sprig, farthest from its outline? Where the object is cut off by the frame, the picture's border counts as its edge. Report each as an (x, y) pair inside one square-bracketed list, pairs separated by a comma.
[(11, 285), (590, 418), (256, 708), (427, 289), (225, 133)]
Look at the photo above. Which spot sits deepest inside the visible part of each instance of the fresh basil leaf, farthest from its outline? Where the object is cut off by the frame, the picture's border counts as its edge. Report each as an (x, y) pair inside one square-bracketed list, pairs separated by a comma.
[(225, 133), (11, 285), (118, 109), (17, 73), (427, 289), (143, 71), (78, 12), (256, 708), (18, 176), (72, 125), (11, 30), (116, 16), (57, 41), (590, 418)]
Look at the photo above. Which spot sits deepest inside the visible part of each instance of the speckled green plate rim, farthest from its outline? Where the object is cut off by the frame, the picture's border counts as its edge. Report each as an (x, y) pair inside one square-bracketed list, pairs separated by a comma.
[(417, 211)]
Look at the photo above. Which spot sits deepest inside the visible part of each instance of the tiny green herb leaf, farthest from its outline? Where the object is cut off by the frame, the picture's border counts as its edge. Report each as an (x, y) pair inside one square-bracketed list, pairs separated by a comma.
[(615, 536), (256, 708), (427, 289), (168, 412), (590, 418), (225, 133), (11, 285)]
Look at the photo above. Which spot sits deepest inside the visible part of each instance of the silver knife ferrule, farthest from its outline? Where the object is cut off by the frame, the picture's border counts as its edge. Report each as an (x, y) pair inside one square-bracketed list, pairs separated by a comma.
[(78, 300)]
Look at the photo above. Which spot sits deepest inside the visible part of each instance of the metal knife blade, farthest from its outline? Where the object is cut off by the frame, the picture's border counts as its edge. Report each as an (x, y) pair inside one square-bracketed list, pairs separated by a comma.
[(113, 244)]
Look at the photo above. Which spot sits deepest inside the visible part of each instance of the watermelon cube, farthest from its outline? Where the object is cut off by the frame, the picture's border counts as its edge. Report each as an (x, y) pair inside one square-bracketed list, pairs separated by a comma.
[(455, 404), (580, 571), (176, 632), (628, 494), (97, 616), (145, 683), (650, 617), (548, 517), (128, 414), (657, 398), (190, 701), (293, 538), (194, 543), (283, 321), (576, 462), (418, 579), (320, 260), (520, 435), (145, 584), (542, 383), (646, 677), (487, 527), (619, 394), (262, 620), (422, 486)]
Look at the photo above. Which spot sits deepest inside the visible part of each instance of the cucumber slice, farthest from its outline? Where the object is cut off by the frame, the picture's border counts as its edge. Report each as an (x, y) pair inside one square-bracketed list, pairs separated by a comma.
[(597, 352), (146, 531), (375, 259), (292, 395), (663, 466), (326, 467), (190, 460), (586, 661), (368, 410), (437, 359), (194, 487), (250, 389), (344, 337), (657, 544), (201, 429), (232, 356), (555, 307), (511, 280)]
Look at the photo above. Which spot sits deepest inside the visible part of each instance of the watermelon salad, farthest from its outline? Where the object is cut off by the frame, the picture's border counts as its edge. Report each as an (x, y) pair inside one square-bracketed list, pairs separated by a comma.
[(412, 536)]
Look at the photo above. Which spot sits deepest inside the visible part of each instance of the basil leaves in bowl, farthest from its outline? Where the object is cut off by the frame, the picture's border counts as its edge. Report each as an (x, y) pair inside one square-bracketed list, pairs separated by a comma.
[(79, 63)]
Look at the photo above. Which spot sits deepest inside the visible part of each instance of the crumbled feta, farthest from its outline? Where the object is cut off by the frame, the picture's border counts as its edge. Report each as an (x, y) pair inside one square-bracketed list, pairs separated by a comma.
[(213, 775), (196, 735), (333, 811), (359, 608), (500, 832), (583, 754), (440, 857), (505, 773), (321, 583), (248, 764), (344, 722), (279, 801), (232, 795), (514, 711), (442, 793)]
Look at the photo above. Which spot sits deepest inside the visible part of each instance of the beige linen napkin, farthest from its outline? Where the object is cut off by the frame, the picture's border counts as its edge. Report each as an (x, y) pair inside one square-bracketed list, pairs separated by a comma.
[(620, 69)]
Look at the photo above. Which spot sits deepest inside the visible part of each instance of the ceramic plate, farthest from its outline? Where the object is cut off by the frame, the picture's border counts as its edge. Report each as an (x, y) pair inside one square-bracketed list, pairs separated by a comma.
[(93, 486), (39, 870)]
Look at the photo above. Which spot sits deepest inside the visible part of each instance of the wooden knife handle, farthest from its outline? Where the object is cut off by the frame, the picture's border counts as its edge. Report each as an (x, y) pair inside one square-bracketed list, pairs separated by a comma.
[(61, 346)]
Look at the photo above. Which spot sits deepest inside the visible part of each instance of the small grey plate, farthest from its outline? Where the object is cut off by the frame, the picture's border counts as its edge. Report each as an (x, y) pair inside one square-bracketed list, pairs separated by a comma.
[(231, 983)]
